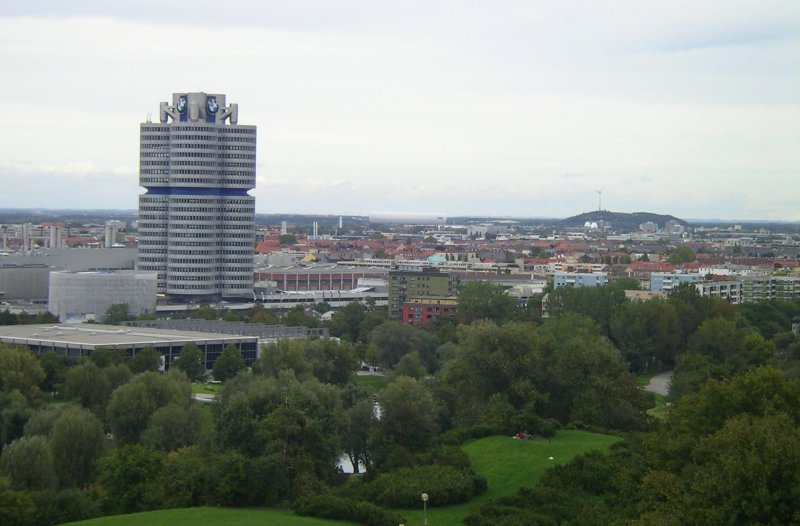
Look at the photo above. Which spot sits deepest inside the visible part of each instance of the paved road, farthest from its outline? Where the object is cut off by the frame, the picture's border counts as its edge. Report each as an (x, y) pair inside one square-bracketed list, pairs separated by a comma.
[(660, 383)]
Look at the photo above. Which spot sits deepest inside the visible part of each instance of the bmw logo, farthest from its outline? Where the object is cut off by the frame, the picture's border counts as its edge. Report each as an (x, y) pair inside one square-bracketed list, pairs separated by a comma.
[(211, 105), (181, 105)]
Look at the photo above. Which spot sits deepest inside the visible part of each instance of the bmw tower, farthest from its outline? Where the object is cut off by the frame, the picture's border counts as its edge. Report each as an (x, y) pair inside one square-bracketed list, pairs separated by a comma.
[(196, 218)]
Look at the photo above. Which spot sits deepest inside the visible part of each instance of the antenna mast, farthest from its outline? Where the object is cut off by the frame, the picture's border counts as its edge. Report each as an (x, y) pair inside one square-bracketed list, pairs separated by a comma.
[(599, 200)]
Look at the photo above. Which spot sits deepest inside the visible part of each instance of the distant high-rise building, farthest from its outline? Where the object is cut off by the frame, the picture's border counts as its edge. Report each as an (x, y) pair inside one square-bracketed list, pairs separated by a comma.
[(196, 219), (112, 230)]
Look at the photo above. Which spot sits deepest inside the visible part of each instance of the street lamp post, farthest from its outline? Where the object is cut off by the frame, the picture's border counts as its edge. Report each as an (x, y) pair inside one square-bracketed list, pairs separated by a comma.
[(425, 507)]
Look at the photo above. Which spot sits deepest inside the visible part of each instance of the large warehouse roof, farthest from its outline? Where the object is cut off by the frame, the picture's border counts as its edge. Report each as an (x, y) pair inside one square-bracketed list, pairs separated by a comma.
[(89, 336)]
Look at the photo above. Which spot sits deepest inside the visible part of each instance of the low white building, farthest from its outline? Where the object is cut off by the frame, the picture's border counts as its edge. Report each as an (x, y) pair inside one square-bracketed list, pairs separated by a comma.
[(83, 296)]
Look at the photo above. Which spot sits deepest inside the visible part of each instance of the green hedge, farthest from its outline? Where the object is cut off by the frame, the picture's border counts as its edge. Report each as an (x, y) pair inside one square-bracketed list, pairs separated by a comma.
[(444, 485), (330, 507)]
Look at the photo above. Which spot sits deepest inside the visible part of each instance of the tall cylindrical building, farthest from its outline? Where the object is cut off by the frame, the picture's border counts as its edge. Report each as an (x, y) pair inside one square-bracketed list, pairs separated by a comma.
[(196, 219)]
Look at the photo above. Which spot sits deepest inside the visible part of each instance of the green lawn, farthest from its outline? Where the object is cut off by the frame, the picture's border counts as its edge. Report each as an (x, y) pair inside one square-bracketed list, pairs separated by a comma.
[(510, 464), (507, 464), (211, 517), (209, 389), (377, 382)]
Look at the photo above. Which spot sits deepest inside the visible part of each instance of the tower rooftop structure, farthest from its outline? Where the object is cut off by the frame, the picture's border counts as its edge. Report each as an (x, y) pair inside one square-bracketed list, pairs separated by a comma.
[(196, 218)]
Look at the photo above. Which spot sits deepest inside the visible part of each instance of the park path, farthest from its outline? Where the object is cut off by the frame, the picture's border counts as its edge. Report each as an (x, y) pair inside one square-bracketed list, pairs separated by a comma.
[(660, 383)]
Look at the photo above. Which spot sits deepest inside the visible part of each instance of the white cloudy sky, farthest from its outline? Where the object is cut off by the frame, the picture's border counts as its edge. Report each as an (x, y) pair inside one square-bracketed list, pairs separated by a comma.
[(497, 107)]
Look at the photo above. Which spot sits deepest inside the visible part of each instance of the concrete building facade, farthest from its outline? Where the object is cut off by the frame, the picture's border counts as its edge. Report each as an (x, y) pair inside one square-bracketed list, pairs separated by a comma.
[(730, 291), (578, 279), (424, 284), (422, 310), (761, 288), (83, 296), (666, 281), (196, 219)]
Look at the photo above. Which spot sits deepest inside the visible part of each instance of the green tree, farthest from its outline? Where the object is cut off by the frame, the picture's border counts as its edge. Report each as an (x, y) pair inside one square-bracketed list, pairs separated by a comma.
[(299, 423), (597, 303), (483, 300), (117, 375), (770, 317), (144, 360), (692, 309), (88, 385), (129, 477), (492, 367), (55, 370), (28, 463), (191, 362), (239, 480), (518, 374), (16, 507), (117, 313), (407, 426), (296, 317), (681, 254), (228, 363), (326, 360), (103, 357), (626, 283), (185, 478), (345, 322), (232, 316), (133, 404), (648, 333), (287, 239), (360, 421), (14, 415), (174, 426), (206, 312), (259, 314), (322, 307), (42, 421), (19, 369), (77, 441), (746, 473), (390, 341), (410, 365), (576, 360)]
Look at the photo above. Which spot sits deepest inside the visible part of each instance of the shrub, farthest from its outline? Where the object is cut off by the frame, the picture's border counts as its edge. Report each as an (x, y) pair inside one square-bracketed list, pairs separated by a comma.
[(331, 507), (70, 505), (459, 435), (402, 488)]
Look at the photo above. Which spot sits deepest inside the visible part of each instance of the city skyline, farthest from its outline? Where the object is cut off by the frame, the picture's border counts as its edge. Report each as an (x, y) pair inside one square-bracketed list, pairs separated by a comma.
[(514, 109)]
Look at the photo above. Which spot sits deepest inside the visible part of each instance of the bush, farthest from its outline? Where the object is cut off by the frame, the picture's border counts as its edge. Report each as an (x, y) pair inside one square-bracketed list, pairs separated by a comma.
[(444, 485), (331, 507), (239, 481), (59, 507), (459, 435)]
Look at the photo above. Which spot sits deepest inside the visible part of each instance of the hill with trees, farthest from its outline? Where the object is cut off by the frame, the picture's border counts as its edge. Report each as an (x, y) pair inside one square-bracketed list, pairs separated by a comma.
[(619, 221)]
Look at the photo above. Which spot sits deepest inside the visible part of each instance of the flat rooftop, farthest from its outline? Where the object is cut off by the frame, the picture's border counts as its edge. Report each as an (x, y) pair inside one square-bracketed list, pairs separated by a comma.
[(90, 335)]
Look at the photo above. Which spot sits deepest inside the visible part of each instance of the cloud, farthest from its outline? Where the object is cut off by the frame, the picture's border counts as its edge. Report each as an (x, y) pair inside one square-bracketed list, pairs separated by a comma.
[(517, 108)]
